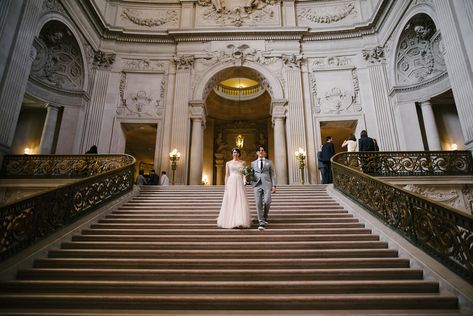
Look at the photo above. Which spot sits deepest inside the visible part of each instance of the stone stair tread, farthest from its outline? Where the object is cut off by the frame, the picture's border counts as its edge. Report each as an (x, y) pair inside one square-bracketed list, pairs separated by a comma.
[(219, 301)]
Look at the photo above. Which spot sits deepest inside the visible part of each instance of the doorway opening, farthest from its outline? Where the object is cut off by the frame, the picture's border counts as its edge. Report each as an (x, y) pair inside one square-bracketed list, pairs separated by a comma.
[(339, 131), (30, 126), (140, 142)]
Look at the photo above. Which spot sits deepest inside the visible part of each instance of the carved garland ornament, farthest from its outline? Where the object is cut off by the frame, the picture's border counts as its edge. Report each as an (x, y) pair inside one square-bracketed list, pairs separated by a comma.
[(238, 12), (169, 17), (341, 12)]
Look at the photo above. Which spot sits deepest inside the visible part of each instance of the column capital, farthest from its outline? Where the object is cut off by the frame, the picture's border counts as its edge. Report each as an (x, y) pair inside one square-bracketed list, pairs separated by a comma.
[(197, 110), (184, 62), (374, 55), (103, 60), (278, 109)]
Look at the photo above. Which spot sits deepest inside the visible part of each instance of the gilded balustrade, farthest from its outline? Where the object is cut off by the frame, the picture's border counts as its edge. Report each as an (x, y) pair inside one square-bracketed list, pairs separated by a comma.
[(445, 233), (102, 178)]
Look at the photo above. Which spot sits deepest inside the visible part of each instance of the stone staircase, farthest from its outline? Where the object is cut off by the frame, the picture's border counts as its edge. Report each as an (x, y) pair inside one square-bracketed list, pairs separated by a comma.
[(162, 251)]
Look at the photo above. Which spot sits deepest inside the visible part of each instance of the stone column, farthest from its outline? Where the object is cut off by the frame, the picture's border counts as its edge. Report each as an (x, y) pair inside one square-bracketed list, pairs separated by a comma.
[(431, 131), (49, 130), (295, 120), (180, 115), (94, 113), (387, 139), (220, 167), (457, 61), (187, 14), (19, 20), (197, 112), (408, 126), (278, 111)]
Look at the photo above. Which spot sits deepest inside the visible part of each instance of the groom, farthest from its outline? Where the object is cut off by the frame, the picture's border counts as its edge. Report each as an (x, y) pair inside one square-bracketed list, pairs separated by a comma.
[(264, 183)]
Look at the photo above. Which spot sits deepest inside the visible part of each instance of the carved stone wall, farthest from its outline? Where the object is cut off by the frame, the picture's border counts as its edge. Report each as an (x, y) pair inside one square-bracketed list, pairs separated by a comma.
[(146, 19), (420, 52), (58, 61), (458, 196), (335, 85), (327, 14), (211, 13)]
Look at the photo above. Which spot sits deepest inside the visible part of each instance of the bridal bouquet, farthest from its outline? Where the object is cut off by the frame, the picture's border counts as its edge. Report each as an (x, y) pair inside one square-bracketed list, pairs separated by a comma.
[(246, 171)]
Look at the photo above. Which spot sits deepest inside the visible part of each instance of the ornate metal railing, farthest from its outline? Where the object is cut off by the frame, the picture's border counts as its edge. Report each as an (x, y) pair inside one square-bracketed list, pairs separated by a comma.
[(411, 163), (445, 233), (24, 222)]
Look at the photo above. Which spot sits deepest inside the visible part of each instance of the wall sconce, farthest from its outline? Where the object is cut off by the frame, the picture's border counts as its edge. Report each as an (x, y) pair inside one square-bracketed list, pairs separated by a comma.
[(300, 156), (174, 156), (205, 180), (454, 147), (239, 140), (27, 151)]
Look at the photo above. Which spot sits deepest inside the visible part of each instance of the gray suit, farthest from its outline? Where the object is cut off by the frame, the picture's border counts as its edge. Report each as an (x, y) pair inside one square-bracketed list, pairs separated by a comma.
[(263, 181)]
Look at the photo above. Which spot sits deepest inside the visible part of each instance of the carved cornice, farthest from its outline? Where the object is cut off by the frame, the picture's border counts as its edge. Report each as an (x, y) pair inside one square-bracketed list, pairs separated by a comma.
[(276, 33), (269, 33)]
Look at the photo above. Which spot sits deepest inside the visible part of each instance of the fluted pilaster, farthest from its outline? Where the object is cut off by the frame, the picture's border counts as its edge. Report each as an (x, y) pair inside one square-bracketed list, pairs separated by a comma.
[(15, 76), (295, 121), (458, 66), (383, 111), (180, 115), (94, 113), (278, 112)]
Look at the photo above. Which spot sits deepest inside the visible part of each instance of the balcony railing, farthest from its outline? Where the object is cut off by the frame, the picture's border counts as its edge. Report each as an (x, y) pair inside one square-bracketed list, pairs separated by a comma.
[(445, 233), (101, 178), (239, 94)]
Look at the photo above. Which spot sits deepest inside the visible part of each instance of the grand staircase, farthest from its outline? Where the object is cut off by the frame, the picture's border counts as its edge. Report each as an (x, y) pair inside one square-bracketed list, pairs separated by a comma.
[(161, 251)]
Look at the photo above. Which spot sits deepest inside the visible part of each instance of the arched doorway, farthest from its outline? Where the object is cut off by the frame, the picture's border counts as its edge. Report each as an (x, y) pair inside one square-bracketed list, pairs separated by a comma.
[(240, 110)]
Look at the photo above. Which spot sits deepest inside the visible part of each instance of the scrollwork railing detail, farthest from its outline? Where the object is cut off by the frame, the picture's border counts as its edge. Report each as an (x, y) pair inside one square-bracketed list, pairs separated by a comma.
[(442, 231), (411, 163), (24, 222)]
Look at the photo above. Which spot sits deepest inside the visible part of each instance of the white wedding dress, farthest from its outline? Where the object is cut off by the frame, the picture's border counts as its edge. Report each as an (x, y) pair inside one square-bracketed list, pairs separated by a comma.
[(235, 211)]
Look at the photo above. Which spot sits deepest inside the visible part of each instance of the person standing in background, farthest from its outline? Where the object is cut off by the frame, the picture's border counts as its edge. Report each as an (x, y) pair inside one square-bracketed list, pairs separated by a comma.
[(350, 143), (326, 153), (164, 179)]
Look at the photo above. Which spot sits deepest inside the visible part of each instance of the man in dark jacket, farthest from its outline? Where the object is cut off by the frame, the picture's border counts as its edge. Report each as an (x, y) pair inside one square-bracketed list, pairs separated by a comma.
[(325, 166), (366, 143)]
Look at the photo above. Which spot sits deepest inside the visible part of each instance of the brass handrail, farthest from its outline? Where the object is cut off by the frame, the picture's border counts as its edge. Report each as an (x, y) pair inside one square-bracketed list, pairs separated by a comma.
[(411, 163), (27, 221), (443, 232)]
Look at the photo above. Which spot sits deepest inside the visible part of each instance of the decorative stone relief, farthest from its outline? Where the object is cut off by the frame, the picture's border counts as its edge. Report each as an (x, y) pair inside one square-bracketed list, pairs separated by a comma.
[(292, 61), (169, 17), (142, 65), (419, 55), (328, 14), (53, 5), (238, 54), (139, 103), (337, 95), (184, 62), (103, 60), (238, 12), (457, 196), (331, 62), (58, 61), (374, 55)]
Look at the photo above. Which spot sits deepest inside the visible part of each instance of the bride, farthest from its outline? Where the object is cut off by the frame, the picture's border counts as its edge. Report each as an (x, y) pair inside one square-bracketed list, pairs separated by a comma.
[(235, 211)]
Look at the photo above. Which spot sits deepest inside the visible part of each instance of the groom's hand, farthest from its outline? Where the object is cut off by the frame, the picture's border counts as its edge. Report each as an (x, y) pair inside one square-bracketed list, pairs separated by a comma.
[(273, 190)]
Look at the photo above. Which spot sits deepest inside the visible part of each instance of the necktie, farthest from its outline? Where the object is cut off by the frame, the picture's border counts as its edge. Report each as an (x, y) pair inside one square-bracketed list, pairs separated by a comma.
[(261, 164)]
